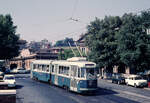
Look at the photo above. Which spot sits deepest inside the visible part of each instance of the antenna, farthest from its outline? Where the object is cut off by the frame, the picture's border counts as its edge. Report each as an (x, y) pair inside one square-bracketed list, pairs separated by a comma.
[(78, 50), (72, 50)]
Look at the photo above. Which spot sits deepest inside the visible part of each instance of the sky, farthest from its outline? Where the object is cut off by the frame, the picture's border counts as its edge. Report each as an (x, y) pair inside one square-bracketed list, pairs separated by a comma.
[(50, 19)]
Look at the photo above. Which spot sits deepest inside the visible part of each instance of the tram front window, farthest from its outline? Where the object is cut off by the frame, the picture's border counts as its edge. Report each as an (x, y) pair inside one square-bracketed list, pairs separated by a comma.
[(90, 73), (82, 72)]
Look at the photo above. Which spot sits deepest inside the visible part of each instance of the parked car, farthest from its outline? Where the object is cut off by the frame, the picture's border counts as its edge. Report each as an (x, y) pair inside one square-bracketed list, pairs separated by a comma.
[(10, 79), (3, 84), (1, 79), (136, 81), (13, 70), (118, 79), (7, 71), (148, 82), (21, 70), (1, 73)]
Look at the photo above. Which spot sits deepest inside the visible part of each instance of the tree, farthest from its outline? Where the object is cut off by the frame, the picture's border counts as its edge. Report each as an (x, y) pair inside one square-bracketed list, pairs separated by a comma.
[(101, 41), (8, 38), (121, 41), (68, 54), (65, 42), (133, 42)]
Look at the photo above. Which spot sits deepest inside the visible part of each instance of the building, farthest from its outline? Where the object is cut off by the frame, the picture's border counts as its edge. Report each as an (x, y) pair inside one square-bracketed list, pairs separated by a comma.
[(81, 44), (27, 56)]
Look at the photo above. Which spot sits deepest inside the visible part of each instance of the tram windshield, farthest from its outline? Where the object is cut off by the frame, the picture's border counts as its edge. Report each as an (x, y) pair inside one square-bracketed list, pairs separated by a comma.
[(90, 73)]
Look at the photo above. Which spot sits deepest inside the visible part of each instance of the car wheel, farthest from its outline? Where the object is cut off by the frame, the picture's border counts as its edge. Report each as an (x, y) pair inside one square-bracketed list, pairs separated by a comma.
[(135, 85), (127, 83)]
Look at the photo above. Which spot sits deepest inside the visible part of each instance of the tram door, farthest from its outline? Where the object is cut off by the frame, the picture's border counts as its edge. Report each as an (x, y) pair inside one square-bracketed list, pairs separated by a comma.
[(73, 81), (56, 74)]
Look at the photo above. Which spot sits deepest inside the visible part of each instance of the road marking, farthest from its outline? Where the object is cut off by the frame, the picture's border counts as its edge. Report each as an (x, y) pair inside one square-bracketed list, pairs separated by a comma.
[(134, 94), (94, 100), (76, 99)]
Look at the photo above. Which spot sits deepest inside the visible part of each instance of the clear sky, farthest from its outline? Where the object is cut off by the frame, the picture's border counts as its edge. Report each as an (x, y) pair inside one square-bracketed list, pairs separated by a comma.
[(39, 19)]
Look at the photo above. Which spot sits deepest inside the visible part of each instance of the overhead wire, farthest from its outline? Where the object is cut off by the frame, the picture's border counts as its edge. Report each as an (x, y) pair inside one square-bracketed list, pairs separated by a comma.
[(74, 8)]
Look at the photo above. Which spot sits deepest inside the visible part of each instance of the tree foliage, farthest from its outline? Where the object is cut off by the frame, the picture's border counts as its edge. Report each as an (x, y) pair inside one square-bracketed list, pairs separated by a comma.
[(8, 38), (68, 54), (102, 42), (64, 42), (120, 40)]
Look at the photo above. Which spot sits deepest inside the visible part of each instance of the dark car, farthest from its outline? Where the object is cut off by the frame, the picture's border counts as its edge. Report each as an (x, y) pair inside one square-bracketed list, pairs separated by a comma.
[(118, 79)]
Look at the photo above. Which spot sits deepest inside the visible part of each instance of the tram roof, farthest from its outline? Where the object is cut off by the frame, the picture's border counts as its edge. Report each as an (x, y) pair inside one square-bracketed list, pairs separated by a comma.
[(42, 61), (79, 63), (65, 62)]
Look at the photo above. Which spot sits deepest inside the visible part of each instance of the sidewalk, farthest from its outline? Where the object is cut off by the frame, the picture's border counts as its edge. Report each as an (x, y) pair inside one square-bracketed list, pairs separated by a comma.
[(110, 81), (8, 96), (146, 88)]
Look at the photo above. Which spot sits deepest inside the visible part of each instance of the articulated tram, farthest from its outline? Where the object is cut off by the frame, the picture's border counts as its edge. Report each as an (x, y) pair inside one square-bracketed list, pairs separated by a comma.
[(75, 74)]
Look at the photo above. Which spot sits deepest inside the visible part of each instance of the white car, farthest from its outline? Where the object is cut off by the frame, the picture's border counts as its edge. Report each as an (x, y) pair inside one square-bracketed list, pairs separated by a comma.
[(1, 73), (136, 81), (10, 79), (13, 71), (21, 70)]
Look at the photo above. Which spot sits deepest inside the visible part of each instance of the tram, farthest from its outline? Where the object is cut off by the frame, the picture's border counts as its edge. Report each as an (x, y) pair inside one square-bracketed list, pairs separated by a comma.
[(74, 74)]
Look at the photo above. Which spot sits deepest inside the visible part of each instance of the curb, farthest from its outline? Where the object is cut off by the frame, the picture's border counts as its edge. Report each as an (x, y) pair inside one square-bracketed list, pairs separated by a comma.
[(147, 88)]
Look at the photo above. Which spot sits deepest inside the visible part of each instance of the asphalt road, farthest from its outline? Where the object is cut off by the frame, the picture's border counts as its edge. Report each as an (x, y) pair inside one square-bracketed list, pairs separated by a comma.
[(30, 91)]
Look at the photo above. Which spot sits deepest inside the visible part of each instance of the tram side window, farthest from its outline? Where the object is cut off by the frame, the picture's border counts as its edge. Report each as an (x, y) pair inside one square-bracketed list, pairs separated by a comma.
[(79, 72), (47, 68), (60, 70), (64, 70), (67, 71), (34, 66), (43, 67), (40, 67), (52, 68)]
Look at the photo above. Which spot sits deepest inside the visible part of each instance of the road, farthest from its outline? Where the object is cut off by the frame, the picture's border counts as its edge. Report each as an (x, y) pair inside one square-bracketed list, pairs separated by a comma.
[(30, 91)]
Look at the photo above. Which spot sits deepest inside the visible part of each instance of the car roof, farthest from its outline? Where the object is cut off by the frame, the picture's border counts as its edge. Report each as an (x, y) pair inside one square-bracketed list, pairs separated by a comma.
[(9, 75), (132, 76)]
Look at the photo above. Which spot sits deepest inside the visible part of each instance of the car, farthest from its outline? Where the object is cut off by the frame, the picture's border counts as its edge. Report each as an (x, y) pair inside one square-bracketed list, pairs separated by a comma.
[(3, 84), (136, 81), (7, 71), (1, 79), (13, 71), (10, 80), (1, 73), (21, 70), (118, 79)]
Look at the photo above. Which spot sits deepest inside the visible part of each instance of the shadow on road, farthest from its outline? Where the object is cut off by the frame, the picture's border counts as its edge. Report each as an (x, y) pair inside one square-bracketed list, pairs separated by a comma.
[(101, 91), (19, 86)]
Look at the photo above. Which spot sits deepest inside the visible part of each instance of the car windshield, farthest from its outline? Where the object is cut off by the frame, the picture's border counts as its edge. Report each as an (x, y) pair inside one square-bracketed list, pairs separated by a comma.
[(138, 78), (90, 73), (9, 78), (21, 69)]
